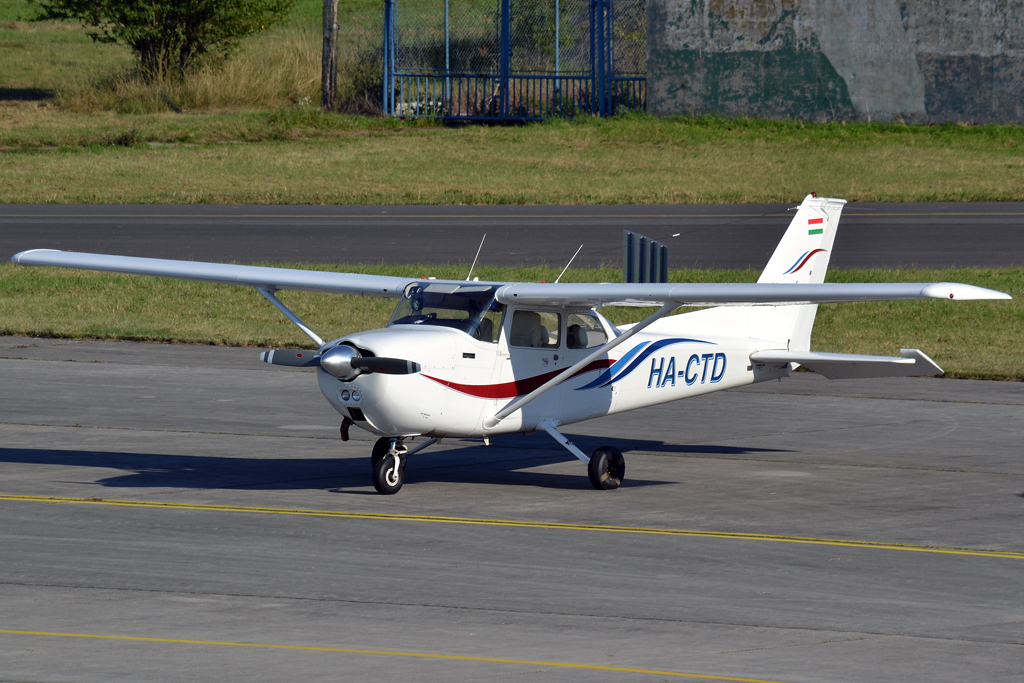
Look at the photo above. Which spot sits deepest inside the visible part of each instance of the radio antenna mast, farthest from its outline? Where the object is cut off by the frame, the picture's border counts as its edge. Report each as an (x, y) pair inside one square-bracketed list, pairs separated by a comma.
[(476, 257), (568, 264)]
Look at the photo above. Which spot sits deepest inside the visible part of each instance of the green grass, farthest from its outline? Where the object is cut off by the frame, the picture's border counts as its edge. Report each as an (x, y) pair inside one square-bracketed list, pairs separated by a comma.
[(969, 339), (308, 157), (77, 125)]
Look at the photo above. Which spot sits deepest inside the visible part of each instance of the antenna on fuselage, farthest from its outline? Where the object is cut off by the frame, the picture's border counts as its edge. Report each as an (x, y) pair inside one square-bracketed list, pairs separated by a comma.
[(476, 257), (569, 264)]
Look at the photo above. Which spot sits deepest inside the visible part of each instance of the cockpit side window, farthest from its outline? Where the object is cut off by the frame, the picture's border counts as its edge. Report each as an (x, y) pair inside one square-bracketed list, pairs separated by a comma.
[(489, 328), (535, 329)]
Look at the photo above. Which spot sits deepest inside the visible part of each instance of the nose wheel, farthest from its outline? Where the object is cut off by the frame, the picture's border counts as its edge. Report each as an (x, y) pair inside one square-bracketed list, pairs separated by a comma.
[(389, 458), (388, 463), (389, 474)]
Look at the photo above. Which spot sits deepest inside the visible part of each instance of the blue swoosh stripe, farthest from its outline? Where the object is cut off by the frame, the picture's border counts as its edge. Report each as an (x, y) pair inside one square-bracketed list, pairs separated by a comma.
[(656, 346), (609, 376), (614, 368), (797, 262)]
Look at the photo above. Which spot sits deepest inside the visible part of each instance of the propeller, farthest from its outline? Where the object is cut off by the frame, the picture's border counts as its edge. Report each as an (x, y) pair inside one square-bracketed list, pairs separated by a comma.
[(342, 361), (386, 366), (294, 358)]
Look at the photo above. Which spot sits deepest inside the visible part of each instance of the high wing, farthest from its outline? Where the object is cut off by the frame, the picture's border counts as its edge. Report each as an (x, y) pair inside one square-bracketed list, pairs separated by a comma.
[(687, 294), (222, 273), (529, 294)]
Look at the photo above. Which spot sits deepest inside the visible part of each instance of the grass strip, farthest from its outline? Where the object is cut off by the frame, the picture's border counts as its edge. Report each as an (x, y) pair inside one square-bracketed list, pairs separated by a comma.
[(303, 156), (77, 124), (968, 339)]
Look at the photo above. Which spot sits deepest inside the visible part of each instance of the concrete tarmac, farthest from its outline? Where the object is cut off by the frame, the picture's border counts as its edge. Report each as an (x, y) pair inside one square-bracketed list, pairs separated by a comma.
[(929, 235), (374, 589)]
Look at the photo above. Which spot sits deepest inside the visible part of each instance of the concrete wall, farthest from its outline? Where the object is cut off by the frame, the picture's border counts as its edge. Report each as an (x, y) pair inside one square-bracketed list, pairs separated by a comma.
[(916, 60)]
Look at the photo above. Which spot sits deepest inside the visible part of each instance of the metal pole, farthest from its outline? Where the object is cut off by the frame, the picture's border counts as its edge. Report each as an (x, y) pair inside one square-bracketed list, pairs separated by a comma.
[(593, 54), (558, 44), (329, 66), (447, 62), (386, 101), (506, 20), (627, 256), (601, 85), (610, 73)]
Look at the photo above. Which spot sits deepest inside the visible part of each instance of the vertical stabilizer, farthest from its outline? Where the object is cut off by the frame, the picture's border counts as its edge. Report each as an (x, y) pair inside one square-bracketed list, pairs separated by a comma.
[(801, 258), (803, 254)]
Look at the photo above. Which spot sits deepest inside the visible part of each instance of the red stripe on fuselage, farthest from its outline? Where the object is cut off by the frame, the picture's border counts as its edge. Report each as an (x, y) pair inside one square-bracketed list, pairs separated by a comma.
[(815, 221), (516, 387)]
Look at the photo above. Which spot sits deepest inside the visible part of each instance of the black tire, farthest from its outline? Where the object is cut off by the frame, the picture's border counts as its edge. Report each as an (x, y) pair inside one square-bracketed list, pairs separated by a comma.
[(607, 468), (388, 476), (381, 448)]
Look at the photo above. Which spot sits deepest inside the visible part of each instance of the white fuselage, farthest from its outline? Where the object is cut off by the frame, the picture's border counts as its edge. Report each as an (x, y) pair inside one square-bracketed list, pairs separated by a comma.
[(464, 380)]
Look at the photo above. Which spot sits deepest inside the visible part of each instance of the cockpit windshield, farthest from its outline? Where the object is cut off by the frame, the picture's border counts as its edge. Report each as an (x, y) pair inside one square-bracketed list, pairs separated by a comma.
[(470, 308)]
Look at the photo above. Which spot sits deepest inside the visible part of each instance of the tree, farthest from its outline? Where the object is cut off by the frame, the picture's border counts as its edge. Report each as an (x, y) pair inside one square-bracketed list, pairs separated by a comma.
[(170, 36)]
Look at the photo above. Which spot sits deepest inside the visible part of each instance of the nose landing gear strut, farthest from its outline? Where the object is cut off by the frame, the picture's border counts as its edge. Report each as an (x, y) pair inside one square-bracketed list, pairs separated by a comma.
[(389, 457)]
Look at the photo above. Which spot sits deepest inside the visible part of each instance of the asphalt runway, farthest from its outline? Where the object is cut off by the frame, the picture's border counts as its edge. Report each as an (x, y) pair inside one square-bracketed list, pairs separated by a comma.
[(929, 235), (795, 531)]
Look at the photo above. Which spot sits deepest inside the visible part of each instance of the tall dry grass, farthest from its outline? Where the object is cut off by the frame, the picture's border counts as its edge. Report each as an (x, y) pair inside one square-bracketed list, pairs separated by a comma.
[(360, 62), (277, 69)]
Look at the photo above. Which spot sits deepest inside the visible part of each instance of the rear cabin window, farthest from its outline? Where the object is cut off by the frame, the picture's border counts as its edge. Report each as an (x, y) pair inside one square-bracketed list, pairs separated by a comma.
[(535, 329), (584, 331)]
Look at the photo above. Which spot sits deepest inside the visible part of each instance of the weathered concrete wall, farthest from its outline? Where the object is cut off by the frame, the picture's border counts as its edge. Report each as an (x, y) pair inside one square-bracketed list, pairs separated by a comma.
[(917, 60)]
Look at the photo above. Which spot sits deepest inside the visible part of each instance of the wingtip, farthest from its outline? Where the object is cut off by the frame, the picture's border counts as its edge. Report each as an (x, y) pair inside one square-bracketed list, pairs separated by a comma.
[(17, 258), (961, 292)]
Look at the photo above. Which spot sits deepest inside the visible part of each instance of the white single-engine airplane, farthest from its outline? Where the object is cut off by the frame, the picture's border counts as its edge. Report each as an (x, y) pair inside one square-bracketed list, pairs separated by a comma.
[(475, 359)]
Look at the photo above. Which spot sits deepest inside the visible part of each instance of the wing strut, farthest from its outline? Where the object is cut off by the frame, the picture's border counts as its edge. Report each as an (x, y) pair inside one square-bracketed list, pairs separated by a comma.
[(518, 403), (268, 294)]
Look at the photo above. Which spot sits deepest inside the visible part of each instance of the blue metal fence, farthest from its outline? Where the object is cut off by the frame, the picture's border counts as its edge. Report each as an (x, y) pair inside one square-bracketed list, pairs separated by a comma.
[(513, 60)]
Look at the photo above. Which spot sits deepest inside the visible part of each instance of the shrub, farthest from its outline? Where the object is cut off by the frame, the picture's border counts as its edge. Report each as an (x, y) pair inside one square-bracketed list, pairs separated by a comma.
[(169, 37)]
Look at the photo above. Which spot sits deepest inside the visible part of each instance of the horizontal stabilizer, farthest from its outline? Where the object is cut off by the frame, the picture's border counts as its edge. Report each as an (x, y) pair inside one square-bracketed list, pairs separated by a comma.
[(913, 363)]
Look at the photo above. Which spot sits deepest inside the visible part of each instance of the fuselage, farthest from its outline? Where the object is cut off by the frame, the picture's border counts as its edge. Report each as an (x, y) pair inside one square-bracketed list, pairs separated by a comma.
[(465, 380)]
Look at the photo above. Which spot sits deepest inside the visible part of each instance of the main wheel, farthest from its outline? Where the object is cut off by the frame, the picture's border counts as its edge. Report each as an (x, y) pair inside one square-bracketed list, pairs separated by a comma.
[(606, 468), (388, 475)]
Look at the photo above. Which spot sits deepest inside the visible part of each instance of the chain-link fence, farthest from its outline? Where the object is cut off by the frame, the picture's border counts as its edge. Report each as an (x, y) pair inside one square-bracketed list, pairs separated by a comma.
[(513, 59)]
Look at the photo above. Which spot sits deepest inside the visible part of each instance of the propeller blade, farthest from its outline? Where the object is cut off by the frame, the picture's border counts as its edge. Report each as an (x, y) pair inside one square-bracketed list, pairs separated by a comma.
[(295, 358), (387, 366)]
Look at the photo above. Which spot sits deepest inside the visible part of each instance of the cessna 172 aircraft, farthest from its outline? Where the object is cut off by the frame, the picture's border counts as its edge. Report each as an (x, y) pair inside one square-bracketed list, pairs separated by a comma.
[(476, 359)]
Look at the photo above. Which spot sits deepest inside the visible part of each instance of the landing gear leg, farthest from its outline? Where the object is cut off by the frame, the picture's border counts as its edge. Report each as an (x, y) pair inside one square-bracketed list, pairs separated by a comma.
[(389, 458), (606, 467)]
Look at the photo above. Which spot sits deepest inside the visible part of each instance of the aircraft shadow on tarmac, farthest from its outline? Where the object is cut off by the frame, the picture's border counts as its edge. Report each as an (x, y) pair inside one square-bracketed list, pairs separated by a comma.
[(510, 462)]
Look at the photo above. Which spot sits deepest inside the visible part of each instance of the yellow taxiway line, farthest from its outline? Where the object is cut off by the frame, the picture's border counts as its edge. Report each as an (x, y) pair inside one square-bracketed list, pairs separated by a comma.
[(945, 550), (393, 653)]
